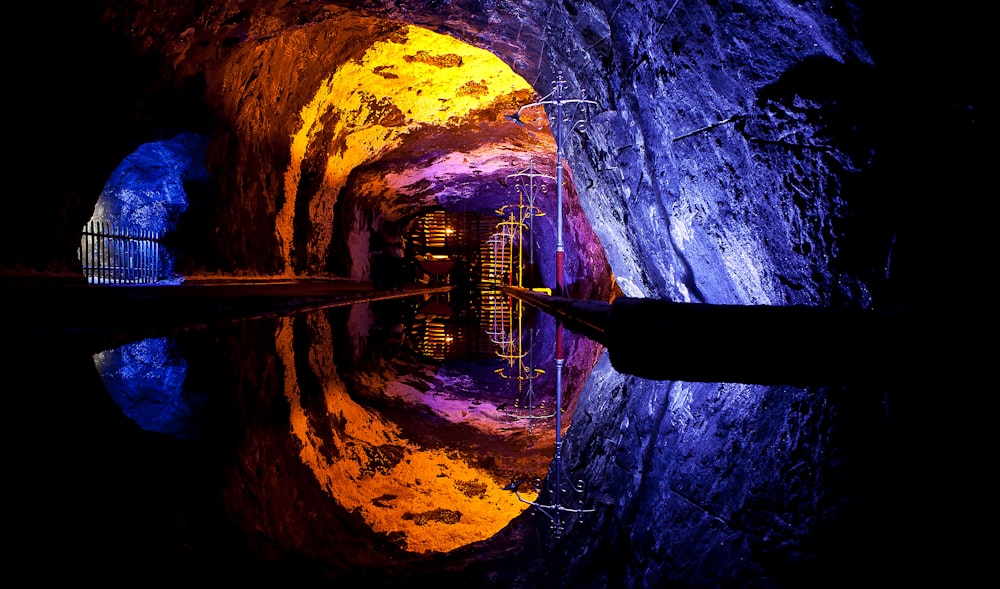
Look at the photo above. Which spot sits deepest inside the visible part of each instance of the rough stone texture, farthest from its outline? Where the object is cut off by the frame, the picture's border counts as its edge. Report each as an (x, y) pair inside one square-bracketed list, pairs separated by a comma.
[(758, 152)]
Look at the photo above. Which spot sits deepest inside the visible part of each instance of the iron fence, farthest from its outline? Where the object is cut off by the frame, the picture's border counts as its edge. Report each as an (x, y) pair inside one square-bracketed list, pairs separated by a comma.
[(115, 255)]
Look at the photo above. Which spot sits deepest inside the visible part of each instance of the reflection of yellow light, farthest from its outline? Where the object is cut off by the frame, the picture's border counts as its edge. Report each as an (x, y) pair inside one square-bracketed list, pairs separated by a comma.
[(449, 230), (435, 498)]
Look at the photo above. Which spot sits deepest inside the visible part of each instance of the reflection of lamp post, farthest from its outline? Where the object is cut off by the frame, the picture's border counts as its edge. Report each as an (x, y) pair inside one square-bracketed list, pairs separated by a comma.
[(555, 510), (556, 98), (524, 373)]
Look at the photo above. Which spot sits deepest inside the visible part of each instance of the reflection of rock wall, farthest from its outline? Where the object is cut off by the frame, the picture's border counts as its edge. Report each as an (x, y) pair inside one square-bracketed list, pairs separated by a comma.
[(423, 498), (269, 494), (146, 379), (739, 474), (419, 476)]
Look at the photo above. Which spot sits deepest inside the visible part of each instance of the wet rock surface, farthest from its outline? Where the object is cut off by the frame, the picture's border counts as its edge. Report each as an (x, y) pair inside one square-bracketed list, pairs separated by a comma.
[(739, 152)]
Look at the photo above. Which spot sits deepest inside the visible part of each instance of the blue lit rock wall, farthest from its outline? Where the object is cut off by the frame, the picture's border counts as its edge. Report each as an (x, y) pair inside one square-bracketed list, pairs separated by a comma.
[(738, 161), (146, 194), (711, 175)]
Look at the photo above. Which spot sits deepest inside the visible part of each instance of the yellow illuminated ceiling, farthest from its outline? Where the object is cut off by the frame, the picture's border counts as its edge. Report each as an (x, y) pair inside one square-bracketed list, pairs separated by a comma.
[(414, 82)]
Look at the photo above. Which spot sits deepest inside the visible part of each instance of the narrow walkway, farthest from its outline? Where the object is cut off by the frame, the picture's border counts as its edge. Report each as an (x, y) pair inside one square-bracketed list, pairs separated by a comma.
[(757, 344)]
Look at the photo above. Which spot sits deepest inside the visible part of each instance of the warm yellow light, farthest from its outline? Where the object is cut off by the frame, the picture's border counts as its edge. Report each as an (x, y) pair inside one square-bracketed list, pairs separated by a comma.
[(433, 499), (400, 85)]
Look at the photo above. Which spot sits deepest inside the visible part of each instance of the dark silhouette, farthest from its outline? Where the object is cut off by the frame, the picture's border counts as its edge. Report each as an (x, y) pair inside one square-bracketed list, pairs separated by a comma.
[(388, 262)]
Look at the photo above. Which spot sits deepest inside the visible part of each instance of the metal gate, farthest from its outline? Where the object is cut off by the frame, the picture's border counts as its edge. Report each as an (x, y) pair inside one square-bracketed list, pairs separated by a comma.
[(113, 255)]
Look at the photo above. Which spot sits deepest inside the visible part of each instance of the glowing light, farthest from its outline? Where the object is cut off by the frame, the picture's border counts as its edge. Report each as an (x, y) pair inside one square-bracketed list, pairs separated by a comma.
[(400, 85), (146, 380), (430, 499)]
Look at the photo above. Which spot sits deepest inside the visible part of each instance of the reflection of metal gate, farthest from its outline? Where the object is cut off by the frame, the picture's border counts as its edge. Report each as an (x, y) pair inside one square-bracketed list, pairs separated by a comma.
[(111, 255)]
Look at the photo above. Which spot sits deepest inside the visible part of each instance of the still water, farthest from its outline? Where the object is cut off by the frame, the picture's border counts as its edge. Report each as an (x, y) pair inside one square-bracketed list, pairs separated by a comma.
[(415, 425)]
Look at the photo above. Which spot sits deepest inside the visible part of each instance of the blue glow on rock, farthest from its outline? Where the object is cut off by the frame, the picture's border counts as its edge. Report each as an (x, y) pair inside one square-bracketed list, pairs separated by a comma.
[(146, 380), (146, 195)]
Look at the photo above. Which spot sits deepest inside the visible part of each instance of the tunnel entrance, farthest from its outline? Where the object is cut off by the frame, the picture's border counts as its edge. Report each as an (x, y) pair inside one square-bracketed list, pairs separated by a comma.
[(473, 249)]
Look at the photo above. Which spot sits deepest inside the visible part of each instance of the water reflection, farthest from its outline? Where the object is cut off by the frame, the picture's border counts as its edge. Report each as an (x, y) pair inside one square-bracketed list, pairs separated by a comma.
[(410, 414), (146, 380)]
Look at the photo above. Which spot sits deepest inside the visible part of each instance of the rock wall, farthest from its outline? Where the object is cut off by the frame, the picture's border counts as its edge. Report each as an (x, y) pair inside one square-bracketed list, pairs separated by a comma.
[(736, 155)]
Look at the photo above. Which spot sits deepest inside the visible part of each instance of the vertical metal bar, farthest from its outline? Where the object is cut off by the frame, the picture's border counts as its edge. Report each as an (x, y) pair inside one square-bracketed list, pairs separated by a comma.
[(91, 252), (109, 253), (129, 256), (156, 256), (134, 261), (101, 252), (150, 263), (560, 249), (141, 270), (127, 263), (92, 245), (85, 251), (113, 249), (118, 254)]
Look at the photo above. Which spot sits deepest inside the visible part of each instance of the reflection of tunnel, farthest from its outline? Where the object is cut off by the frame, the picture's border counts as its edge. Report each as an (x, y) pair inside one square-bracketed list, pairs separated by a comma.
[(741, 153)]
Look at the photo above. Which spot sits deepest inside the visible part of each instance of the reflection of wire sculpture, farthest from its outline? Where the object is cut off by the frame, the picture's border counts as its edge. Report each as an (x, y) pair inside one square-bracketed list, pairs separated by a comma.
[(555, 511), (499, 329), (525, 407), (510, 345), (559, 480)]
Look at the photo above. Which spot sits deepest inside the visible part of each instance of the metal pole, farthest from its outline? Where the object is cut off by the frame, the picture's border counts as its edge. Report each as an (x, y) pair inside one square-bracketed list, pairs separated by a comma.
[(520, 239), (531, 212), (557, 459), (560, 249)]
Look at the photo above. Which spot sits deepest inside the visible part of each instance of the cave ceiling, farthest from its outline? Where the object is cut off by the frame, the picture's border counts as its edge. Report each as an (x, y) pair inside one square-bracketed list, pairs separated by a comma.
[(335, 118)]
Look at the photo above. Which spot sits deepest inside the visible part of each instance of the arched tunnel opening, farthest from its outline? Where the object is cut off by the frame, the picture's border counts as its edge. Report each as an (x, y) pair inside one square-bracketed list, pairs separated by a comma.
[(421, 123), (421, 144), (734, 157)]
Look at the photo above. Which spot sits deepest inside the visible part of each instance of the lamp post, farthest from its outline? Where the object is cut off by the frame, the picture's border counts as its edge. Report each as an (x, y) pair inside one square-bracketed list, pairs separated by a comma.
[(558, 101)]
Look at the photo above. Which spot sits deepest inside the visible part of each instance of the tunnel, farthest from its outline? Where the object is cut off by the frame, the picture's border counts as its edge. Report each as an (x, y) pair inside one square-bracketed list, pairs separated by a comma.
[(753, 239)]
